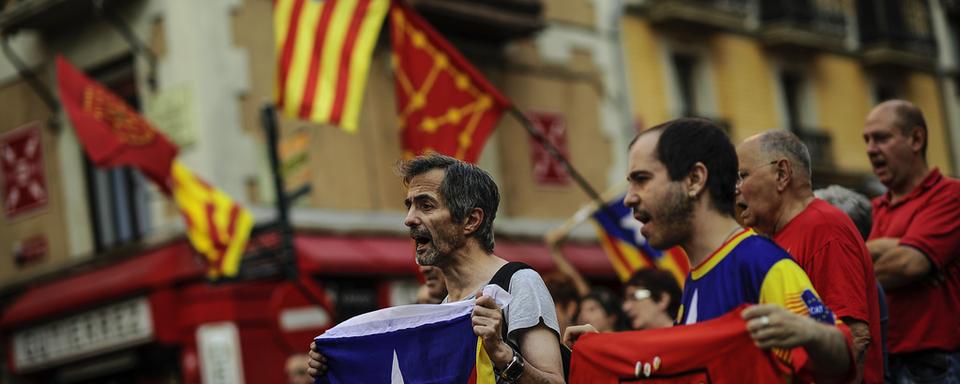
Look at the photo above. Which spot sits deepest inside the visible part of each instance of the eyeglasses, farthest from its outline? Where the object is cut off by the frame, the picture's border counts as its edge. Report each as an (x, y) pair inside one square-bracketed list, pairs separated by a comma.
[(642, 294), (741, 175)]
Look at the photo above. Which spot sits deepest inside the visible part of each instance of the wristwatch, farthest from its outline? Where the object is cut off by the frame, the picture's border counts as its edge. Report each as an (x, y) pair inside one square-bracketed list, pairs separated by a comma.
[(514, 369)]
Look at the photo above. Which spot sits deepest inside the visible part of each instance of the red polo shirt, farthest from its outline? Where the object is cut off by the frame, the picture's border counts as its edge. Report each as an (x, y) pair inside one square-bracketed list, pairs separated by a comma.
[(926, 313), (826, 243)]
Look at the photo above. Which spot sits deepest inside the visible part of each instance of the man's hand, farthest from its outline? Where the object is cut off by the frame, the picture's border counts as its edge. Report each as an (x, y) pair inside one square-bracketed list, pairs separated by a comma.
[(882, 245), (573, 332), (317, 362), (772, 326), (487, 319)]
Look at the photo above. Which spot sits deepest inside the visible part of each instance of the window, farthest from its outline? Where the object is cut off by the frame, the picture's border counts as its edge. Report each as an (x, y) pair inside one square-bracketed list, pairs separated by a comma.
[(684, 67), (118, 197), (792, 83)]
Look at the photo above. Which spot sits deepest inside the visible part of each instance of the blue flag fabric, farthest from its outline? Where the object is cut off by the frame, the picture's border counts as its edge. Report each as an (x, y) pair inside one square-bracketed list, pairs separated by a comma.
[(419, 343)]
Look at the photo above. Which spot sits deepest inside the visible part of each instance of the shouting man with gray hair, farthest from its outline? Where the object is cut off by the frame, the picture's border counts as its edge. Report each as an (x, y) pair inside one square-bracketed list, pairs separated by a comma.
[(775, 197)]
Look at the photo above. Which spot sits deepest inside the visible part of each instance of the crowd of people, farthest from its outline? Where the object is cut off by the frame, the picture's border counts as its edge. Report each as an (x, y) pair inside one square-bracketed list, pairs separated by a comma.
[(878, 286)]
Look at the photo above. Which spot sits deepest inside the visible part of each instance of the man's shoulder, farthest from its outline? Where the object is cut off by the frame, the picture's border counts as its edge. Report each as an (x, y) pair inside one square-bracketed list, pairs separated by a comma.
[(758, 252)]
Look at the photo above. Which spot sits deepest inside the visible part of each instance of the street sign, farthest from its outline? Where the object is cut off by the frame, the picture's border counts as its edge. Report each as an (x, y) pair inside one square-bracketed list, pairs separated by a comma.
[(21, 161)]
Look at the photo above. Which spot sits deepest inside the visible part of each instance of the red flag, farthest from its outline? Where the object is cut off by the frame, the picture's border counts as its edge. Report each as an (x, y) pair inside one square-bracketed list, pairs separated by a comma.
[(112, 133), (443, 104)]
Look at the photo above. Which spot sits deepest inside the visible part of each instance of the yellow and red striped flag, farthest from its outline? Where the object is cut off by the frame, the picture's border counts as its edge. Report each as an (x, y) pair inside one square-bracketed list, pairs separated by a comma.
[(217, 226), (323, 54)]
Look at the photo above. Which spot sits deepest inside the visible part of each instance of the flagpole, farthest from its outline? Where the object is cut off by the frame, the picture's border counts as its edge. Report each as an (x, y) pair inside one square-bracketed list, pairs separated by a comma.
[(555, 153), (268, 116)]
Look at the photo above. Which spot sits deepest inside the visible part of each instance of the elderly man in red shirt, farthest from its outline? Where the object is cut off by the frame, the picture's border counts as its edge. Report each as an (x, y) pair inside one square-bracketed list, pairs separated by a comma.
[(775, 197), (915, 244)]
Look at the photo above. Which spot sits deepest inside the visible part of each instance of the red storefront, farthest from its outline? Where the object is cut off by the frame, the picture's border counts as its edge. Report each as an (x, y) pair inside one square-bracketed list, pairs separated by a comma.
[(153, 318)]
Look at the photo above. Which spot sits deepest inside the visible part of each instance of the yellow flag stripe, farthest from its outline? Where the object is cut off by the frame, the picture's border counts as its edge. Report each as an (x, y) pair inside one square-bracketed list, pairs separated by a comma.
[(360, 63), (485, 374), (302, 53), (330, 64)]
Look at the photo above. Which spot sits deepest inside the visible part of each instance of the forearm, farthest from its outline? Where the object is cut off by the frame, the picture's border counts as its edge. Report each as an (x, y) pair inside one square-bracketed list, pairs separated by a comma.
[(828, 353), (567, 268), (878, 247), (900, 266)]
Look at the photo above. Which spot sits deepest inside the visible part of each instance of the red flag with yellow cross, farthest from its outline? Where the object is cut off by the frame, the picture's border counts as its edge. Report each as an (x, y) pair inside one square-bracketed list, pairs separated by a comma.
[(113, 134), (444, 104)]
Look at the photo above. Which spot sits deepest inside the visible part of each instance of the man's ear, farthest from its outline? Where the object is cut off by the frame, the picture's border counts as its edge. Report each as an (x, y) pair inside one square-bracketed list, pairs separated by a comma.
[(918, 136), (664, 301), (472, 222), (696, 181), (784, 174)]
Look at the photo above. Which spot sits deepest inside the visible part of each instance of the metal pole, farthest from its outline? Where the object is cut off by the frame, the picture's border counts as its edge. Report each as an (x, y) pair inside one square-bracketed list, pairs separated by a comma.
[(268, 117)]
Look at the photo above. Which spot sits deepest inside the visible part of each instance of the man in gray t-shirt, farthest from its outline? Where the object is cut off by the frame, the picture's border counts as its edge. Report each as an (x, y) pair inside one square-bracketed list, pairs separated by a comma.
[(451, 206)]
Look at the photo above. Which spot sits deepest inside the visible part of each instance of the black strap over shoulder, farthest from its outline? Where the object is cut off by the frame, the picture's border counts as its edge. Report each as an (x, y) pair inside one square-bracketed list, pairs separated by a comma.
[(502, 278), (505, 273)]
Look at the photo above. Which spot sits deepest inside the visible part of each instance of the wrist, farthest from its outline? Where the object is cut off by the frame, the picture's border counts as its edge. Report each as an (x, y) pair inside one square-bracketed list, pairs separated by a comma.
[(502, 356)]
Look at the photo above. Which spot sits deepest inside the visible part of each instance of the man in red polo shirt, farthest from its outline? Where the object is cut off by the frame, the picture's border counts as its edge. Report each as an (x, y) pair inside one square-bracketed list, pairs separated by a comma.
[(775, 197), (915, 244)]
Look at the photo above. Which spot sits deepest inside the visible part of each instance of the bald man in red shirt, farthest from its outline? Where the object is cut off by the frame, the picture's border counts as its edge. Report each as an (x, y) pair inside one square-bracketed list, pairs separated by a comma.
[(775, 197), (915, 245)]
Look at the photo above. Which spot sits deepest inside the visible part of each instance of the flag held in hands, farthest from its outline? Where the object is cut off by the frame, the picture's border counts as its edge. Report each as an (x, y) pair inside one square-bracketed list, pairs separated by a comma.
[(419, 343), (444, 104), (112, 133), (628, 250), (323, 55)]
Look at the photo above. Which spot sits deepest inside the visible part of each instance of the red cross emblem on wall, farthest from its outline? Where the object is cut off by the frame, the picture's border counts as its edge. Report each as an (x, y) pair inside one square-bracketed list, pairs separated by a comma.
[(546, 169), (21, 161)]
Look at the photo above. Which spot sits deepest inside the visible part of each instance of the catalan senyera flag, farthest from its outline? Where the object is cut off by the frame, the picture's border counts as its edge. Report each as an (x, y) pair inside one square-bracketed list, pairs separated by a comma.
[(112, 133), (217, 226), (419, 343), (323, 55), (628, 250), (444, 104)]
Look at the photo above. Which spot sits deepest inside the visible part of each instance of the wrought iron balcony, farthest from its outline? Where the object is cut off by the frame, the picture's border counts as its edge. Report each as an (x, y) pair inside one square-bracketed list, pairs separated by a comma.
[(896, 33), (488, 21), (702, 14), (820, 145), (805, 24)]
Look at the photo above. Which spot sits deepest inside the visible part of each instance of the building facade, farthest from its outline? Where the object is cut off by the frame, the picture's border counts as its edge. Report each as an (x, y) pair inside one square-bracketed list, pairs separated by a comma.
[(83, 247)]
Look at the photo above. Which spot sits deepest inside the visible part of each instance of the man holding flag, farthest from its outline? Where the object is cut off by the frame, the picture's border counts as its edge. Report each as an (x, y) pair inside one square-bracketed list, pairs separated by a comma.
[(451, 206)]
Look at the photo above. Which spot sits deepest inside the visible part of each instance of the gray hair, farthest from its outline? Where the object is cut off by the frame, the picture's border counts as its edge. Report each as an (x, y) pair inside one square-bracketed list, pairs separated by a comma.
[(464, 187), (785, 143), (855, 205)]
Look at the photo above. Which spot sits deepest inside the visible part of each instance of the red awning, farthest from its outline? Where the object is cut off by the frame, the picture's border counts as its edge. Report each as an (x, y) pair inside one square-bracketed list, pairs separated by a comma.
[(318, 254), (144, 273), (394, 255)]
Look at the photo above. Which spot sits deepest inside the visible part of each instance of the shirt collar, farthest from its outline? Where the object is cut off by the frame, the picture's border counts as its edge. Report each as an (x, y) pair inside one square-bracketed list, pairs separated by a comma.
[(928, 182)]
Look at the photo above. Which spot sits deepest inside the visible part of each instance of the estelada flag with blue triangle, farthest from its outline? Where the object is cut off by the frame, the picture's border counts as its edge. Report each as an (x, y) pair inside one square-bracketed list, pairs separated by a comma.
[(620, 237), (418, 343)]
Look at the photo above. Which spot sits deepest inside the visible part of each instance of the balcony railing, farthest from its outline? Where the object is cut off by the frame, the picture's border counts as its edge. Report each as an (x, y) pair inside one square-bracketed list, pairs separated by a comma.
[(717, 14), (896, 32), (813, 24)]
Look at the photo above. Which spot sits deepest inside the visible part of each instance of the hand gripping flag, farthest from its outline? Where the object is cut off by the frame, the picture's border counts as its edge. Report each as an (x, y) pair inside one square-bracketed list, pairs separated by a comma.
[(217, 226), (628, 250), (112, 133), (323, 55), (444, 105), (420, 343), (715, 351)]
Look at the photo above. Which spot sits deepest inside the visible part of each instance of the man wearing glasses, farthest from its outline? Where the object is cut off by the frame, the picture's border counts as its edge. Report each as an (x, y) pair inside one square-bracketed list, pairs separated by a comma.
[(775, 198)]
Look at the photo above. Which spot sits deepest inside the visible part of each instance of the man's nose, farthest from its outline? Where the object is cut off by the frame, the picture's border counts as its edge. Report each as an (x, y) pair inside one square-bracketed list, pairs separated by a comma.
[(411, 219)]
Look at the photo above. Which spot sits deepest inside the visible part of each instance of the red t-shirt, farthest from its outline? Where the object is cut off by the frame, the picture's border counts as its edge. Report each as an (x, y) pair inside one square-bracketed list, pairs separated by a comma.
[(713, 351), (926, 313), (827, 245)]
